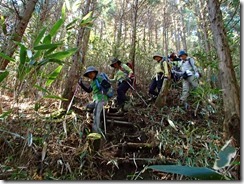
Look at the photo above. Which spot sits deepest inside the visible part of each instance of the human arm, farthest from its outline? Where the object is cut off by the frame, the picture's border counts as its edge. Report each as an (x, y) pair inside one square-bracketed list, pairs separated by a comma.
[(86, 89)]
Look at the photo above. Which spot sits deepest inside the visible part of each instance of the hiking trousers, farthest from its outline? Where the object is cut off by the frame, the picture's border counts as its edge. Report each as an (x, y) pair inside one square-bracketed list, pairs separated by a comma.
[(121, 91), (190, 82), (156, 84), (97, 107)]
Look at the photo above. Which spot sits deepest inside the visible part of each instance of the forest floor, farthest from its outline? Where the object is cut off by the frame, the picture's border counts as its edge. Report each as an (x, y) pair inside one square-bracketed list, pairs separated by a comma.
[(40, 142)]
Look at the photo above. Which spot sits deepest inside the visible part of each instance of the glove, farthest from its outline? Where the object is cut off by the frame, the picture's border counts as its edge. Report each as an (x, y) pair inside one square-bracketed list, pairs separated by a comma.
[(188, 72), (197, 75), (165, 78), (80, 81)]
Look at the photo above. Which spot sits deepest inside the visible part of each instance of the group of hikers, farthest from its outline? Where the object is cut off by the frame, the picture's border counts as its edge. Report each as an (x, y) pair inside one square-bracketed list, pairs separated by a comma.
[(172, 67)]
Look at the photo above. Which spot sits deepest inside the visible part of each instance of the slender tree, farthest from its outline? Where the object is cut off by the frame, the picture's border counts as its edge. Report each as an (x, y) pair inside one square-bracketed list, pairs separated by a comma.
[(231, 90), (17, 33)]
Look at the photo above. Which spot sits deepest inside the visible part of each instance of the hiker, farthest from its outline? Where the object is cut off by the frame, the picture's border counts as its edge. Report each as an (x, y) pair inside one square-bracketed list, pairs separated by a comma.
[(190, 75), (123, 75), (175, 63), (161, 73), (99, 99)]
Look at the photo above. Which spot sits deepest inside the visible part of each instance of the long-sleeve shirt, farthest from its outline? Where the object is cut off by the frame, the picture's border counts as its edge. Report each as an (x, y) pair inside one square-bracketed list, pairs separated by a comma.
[(185, 65), (162, 68), (122, 74), (94, 88)]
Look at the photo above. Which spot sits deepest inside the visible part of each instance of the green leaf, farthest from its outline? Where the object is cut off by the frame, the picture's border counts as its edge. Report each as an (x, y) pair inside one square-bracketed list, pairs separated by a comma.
[(3, 75), (5, 114), (56, 26), (225, 156), (37, 54), (49, 51), (71, 24), (47, 39), (42, 89), (4, 56), (53, 75), (40, 35), (22, 54), (202, 173), (63, 11), (55, 97), (45, 61), (47, 46), (62, 54)]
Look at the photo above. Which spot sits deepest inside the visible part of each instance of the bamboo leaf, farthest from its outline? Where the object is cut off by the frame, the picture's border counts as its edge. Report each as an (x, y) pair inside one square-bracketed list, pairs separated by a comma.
[(63, 13), (22, 54), (45, 61), (47, 39), (53, 75), (40, 35), (47, 46), (55, 27), (63, 54), (3, 75), (42, 89), (225, 156), (202, 173), (4, 56), (71, 24)]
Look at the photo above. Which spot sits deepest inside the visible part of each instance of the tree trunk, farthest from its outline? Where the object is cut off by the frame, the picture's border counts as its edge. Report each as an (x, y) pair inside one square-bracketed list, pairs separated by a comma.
[(231, 91), (133, 41), (75, 69), (17, 33)]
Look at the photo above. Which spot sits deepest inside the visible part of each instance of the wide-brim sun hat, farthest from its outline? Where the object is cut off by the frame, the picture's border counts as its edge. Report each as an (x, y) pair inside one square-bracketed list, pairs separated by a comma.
[(113, 61), (157, 55), (90, 69)]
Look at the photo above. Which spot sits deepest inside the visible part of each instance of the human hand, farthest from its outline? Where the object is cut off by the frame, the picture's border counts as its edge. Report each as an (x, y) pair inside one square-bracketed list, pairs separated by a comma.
[(80, 81), (197, 75)]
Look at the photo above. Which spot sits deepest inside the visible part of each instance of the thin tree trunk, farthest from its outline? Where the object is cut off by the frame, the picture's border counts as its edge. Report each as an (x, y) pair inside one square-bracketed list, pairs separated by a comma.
[(133, 41), (18, 33), (75, 69), (231, 90)]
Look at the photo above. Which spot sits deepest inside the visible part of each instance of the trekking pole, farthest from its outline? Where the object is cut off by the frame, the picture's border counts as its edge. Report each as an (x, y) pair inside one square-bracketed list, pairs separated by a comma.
[(137, 93), (104, 121)]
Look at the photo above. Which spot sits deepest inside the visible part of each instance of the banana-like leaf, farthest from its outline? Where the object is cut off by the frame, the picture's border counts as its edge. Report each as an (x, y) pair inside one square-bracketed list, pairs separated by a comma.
[(47, 46), (202, 173), (55, 97), (3, 75), (56, 27), (4, 56), (63, 54), (53, 75), (40, 35)]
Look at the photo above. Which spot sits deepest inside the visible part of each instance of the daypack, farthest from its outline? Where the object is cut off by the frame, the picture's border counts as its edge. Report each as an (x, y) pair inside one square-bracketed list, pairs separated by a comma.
[(105, 85), (200, 74)]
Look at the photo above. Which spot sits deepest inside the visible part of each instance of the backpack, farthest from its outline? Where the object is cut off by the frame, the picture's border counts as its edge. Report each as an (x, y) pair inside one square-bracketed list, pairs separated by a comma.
[(200, 75), (105, 85)]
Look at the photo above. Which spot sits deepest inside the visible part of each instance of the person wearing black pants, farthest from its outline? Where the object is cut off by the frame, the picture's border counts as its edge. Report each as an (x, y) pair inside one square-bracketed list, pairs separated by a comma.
[(123, 75)]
